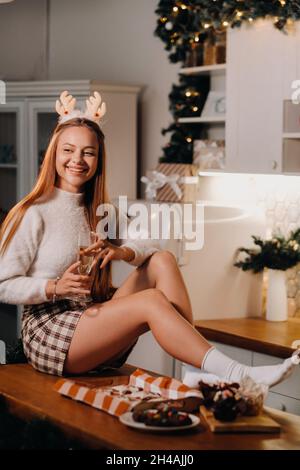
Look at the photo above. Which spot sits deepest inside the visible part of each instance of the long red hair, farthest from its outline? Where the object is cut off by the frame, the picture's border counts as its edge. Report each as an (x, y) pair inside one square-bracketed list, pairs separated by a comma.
[(95, 193)]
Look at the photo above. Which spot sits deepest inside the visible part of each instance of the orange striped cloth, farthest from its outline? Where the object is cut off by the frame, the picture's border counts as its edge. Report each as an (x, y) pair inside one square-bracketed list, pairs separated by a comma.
[(115, 401)]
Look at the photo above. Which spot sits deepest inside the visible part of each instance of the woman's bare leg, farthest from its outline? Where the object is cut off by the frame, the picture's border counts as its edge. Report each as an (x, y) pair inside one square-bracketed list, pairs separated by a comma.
[(107, 328), (160, 271)]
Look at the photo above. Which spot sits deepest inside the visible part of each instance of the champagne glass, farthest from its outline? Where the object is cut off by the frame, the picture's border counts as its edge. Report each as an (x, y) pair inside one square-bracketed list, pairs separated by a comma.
[(85, 239)]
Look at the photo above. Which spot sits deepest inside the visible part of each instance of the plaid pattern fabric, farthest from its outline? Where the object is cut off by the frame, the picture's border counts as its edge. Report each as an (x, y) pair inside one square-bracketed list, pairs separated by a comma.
[(47, 331)]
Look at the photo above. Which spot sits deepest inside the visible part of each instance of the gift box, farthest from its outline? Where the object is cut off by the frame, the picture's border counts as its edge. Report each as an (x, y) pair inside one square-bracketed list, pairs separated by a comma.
[(214, 51), (172, 182), (209, 154)]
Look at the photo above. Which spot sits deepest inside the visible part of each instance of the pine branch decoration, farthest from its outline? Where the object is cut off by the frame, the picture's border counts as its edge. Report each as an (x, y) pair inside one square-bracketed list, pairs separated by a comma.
[(277, 253), (181, 22)]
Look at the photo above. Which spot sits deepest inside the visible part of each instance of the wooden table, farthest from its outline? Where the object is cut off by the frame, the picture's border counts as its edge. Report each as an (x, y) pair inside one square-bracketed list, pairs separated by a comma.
[(256, 334), (30, 394)]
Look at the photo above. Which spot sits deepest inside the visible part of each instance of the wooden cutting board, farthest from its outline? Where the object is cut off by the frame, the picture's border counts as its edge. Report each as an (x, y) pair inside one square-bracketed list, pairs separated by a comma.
[(242, 424)]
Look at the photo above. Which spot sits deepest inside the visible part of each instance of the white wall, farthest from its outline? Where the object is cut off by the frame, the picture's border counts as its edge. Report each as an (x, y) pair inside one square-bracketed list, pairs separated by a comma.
[(23, 42), (113, 40)]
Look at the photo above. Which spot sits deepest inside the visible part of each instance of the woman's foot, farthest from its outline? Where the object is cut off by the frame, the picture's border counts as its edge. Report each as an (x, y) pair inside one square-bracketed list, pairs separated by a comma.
[(216, 364), (192, 376)]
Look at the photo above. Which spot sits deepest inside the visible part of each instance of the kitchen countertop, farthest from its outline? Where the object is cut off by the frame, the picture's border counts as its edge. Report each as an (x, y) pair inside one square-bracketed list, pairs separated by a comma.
[(255, 334), (29, 394)]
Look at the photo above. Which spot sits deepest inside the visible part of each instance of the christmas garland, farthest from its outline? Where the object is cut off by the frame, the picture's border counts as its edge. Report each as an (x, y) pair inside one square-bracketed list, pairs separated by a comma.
[(183, 23)]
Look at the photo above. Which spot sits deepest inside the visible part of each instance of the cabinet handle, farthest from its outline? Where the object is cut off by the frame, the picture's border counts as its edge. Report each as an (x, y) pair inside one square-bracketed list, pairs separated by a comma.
[(282, 407), (274, 165)]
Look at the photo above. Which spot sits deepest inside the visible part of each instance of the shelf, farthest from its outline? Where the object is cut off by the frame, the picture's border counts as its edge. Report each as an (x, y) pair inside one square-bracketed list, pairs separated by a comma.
[(204, 70), (291, 135), (8, 165), (202, 119), (212, 171)]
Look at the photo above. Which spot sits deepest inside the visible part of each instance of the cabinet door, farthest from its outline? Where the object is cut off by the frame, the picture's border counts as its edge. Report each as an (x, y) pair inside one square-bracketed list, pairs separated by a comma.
[(13, 165), (42, 119), (13, 182), (257, 78), (283, 403), (148, 354)]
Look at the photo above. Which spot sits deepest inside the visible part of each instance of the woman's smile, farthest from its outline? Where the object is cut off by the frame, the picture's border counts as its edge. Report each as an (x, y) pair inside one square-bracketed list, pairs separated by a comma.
[(76, 158), (76, 170)]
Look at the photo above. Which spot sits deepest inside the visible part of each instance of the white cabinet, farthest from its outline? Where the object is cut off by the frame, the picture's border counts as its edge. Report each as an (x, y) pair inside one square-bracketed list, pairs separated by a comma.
[(262, 62), (119, 126), (13, 169), (283, 403), (13, 176), (261, 65)]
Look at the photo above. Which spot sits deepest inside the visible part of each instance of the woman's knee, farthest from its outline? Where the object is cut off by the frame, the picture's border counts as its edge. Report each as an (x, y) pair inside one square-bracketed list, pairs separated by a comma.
[(163, 258), (143, 302)]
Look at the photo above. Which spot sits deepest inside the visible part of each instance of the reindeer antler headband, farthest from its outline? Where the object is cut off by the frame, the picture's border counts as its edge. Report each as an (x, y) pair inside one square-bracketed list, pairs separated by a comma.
[(95, 108)]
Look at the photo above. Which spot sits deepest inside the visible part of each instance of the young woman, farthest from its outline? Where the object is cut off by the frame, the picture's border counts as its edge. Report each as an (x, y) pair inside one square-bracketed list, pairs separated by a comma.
[(38, 269)]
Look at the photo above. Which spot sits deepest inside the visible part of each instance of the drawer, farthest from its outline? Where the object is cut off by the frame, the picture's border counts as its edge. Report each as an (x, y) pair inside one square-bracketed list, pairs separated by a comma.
[(282, 403), (147, 354), (241, 355), (291, 386)]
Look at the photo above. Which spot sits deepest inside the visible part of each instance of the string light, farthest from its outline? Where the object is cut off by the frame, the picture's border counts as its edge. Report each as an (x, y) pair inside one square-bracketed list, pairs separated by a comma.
[(195, 109), (215, 22), (189, 140)]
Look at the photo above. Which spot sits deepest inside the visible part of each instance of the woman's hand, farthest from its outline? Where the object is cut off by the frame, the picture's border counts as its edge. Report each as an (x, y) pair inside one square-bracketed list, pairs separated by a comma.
[(108, 252), (71, 283)]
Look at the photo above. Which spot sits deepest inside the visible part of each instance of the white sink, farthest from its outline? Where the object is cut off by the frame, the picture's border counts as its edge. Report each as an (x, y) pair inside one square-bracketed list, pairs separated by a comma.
[(218, 289)]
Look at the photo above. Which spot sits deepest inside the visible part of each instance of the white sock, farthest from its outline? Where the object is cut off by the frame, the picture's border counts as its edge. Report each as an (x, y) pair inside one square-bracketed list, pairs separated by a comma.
[(192, 376), (229, 370)]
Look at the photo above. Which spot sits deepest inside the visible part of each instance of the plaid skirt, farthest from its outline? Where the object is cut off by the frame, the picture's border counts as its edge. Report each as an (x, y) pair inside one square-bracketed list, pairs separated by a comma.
[(47, 331)]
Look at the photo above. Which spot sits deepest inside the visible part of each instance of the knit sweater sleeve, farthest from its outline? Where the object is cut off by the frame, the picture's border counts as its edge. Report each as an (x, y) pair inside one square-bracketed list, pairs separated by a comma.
[(16, 287), (141, 243)]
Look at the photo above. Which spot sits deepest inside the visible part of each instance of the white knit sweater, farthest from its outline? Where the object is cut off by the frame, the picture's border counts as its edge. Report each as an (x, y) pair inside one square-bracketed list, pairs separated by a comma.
[(45, 245)]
